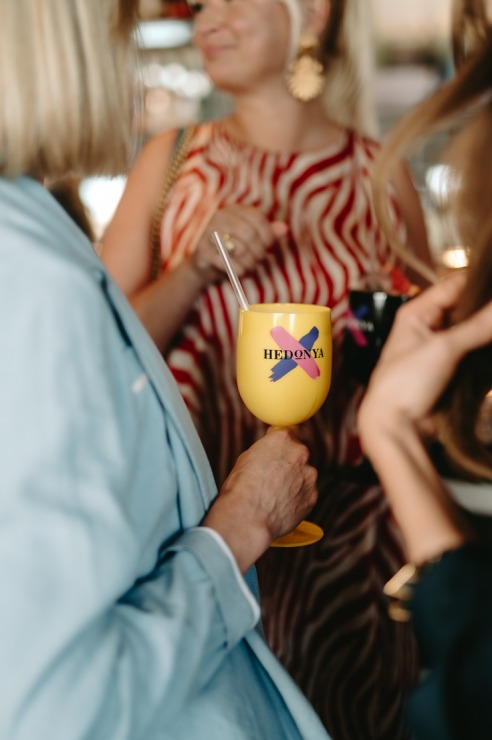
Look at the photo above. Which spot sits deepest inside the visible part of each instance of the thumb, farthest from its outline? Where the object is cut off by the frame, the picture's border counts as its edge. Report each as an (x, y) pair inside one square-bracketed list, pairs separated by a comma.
[(279, 228), (472, 333)]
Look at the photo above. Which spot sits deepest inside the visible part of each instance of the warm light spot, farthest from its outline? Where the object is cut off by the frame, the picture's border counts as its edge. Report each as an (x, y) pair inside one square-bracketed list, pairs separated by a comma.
[(455, 257), (101, 195)]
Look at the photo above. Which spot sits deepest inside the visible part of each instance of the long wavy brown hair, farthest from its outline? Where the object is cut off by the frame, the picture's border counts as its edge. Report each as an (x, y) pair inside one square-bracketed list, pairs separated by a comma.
[(467, 98), (469, 28)]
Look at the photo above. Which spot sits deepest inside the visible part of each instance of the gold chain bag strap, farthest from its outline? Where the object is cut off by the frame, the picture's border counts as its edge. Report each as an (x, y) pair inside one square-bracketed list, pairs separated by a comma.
[(178, 155)]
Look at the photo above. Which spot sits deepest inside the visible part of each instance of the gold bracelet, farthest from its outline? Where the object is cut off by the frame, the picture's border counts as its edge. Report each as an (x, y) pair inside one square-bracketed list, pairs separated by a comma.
[(399, 589)]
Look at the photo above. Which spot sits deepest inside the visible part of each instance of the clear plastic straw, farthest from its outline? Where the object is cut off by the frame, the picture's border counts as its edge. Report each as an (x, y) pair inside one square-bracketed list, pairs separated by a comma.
[(238, 290)]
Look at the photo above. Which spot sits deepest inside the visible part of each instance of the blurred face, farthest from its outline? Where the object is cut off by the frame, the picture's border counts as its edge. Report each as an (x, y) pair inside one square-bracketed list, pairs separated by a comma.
[(244, 43)]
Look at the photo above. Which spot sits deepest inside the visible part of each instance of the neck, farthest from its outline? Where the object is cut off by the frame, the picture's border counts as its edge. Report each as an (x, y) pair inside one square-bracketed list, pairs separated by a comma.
[(281, 124)]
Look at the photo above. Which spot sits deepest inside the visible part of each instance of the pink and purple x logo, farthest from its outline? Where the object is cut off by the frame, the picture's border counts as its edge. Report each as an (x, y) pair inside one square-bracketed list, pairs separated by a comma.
[(295, 353)]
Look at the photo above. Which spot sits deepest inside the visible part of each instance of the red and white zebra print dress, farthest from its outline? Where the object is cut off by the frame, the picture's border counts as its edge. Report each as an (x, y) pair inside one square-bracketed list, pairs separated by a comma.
[(323, 611)]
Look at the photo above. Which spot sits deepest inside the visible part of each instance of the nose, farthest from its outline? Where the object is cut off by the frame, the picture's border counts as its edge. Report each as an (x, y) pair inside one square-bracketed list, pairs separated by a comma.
[(209, 18)]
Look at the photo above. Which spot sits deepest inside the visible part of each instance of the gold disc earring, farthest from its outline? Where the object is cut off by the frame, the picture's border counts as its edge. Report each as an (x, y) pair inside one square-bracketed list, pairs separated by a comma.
[(305, 75)]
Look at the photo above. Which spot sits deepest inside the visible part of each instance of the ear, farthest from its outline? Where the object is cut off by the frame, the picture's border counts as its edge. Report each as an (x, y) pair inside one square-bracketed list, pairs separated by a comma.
[(316, 14)]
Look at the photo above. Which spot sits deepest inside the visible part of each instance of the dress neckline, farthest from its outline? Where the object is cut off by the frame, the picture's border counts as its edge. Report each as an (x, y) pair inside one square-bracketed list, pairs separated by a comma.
[(336, 145)]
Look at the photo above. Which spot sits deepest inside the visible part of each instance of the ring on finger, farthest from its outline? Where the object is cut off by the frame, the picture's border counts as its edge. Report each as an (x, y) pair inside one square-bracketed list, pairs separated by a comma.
[(229, 243)]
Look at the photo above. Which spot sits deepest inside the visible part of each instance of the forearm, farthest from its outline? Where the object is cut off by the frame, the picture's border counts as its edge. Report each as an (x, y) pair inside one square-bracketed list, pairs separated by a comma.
[(246, 542), (427, 518), (163, 305)]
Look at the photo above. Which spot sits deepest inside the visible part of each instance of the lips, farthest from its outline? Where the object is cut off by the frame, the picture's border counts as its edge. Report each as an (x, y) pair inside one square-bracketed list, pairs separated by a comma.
[(212, 52)]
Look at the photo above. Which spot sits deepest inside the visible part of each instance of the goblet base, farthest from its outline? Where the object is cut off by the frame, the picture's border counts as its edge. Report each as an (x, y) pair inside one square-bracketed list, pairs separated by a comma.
[(306, 533)]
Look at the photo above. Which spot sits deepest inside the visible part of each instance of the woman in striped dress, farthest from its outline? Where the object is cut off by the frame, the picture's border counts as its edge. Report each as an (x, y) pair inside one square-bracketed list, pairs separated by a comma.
[(289, 187)]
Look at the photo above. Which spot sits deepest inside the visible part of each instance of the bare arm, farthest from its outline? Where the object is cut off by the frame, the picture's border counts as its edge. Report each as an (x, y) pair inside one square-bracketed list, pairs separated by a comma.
[(449, 612), (416, 365), (163, 305), (126, 242), (422, 507)]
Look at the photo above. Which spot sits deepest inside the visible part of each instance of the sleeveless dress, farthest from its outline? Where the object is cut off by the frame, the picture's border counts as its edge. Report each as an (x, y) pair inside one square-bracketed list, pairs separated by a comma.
[(323, 609)]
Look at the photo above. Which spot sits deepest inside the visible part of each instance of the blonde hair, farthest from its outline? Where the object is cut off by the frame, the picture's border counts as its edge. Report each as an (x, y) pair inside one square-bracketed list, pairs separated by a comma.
[(66, 86), (471, 92), (346, 52), (295, 15), (349, 59)]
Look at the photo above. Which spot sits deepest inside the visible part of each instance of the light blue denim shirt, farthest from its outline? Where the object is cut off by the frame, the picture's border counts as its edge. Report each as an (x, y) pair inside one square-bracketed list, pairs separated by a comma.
[(121, 619)]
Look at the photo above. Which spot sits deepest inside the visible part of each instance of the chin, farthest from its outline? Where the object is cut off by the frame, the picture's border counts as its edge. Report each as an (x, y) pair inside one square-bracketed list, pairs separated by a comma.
[(225, 84)]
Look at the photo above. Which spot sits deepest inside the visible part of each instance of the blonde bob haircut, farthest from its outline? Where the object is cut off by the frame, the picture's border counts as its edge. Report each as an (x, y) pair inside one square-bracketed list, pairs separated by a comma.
[(66, 86)]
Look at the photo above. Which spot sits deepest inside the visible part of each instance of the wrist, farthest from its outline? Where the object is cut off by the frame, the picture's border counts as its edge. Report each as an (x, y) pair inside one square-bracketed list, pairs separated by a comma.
[(427, 516), (201, 269), (400, 588), (384, 431), (246, 541)]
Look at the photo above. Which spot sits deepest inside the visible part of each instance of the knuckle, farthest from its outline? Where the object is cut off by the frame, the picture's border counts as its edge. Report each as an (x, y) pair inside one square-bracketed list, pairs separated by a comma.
[(303, 453), (314, 495), (285, 435)]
